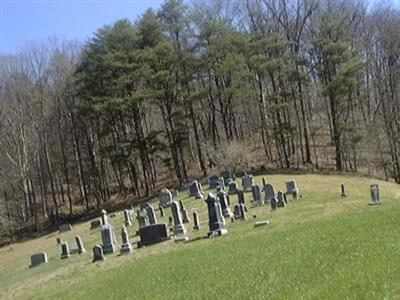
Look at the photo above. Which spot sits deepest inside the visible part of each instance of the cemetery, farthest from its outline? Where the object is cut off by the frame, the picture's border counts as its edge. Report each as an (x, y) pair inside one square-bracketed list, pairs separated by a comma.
[(232, 234)]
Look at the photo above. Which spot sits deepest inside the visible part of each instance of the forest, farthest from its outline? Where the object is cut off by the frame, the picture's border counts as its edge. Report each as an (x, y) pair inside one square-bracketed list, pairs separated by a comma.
[(190, 89)]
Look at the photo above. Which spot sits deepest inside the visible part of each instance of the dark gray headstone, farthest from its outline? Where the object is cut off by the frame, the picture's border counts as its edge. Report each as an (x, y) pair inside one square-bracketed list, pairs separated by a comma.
[(151, 214), (39, 258), (223, 200), (232, 187), (95, 224), (108, 239), (98, 254), (375, 194), (247, 182), (273, 203), (65, 228), (269, 193), (213, 181), (195, 190), (196, 221), (280, 200), (65, 250), (215, 218), (165, 197), (79, 245), (256, 192), (343, 190), (291, 188), (153, 234)]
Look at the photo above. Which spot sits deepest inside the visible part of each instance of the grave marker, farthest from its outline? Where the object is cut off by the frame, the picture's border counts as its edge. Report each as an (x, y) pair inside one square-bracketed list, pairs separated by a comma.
[(98, 254), (215, 221), (108, 239), (79, 245), (126, 246), (37, 259)]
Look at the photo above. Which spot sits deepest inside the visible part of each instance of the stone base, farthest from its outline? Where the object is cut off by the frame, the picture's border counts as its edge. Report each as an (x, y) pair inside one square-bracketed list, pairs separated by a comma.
[(98, 259), (110, 248), (181, 238), (126, 248), (217, 232), (65, 256), (179, 230)]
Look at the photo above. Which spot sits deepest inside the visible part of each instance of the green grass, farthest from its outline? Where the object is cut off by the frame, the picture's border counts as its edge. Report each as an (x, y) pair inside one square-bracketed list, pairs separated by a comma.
[(320, 247)]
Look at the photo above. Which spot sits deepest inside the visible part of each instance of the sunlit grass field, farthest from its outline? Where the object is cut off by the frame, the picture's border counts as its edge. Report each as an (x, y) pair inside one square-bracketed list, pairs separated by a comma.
[(320, 247)]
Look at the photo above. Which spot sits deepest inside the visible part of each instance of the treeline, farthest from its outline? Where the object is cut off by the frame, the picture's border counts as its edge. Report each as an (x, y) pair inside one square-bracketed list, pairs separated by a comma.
[(192, 86)]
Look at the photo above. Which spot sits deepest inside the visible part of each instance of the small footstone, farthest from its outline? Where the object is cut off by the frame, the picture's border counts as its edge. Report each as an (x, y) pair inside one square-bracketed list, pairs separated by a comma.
[(261, 223)]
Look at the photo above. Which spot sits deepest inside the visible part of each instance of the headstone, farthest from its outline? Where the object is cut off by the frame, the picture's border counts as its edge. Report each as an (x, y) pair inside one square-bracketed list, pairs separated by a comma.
[(280, 200), (108, 239), (127, 218), (59, 241), (232, 187), (236, 212), (256, 192), (375, 194), (165, 197), (196, 221), (343, 190), (95, 224), (285, 199), (65, 228), (195, 190), (98, 253), (151, 214), (291, 188), (215, 221), (179, 227), (247, 182), (221, 183), (223, 200), (269, 193), (65, 250), (37, 259), (79, 245), (241, 198), (104, 219), (273, 203), (161, 209), (152, 234), (126, 246), (242, 211), (213, 181), (226, 175), (141, 217), (185, 216), (170, 221)]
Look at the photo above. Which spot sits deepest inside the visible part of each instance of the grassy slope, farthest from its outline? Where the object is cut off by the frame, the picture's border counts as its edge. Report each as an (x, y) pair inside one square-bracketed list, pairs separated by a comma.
[(320, 247)]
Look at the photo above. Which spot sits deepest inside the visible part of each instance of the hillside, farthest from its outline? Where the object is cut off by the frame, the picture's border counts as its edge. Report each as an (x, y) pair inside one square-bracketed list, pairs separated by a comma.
[(322, 246)]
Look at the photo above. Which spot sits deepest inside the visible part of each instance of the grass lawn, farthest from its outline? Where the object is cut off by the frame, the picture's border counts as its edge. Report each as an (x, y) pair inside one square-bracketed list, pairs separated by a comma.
[(320, 247)]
